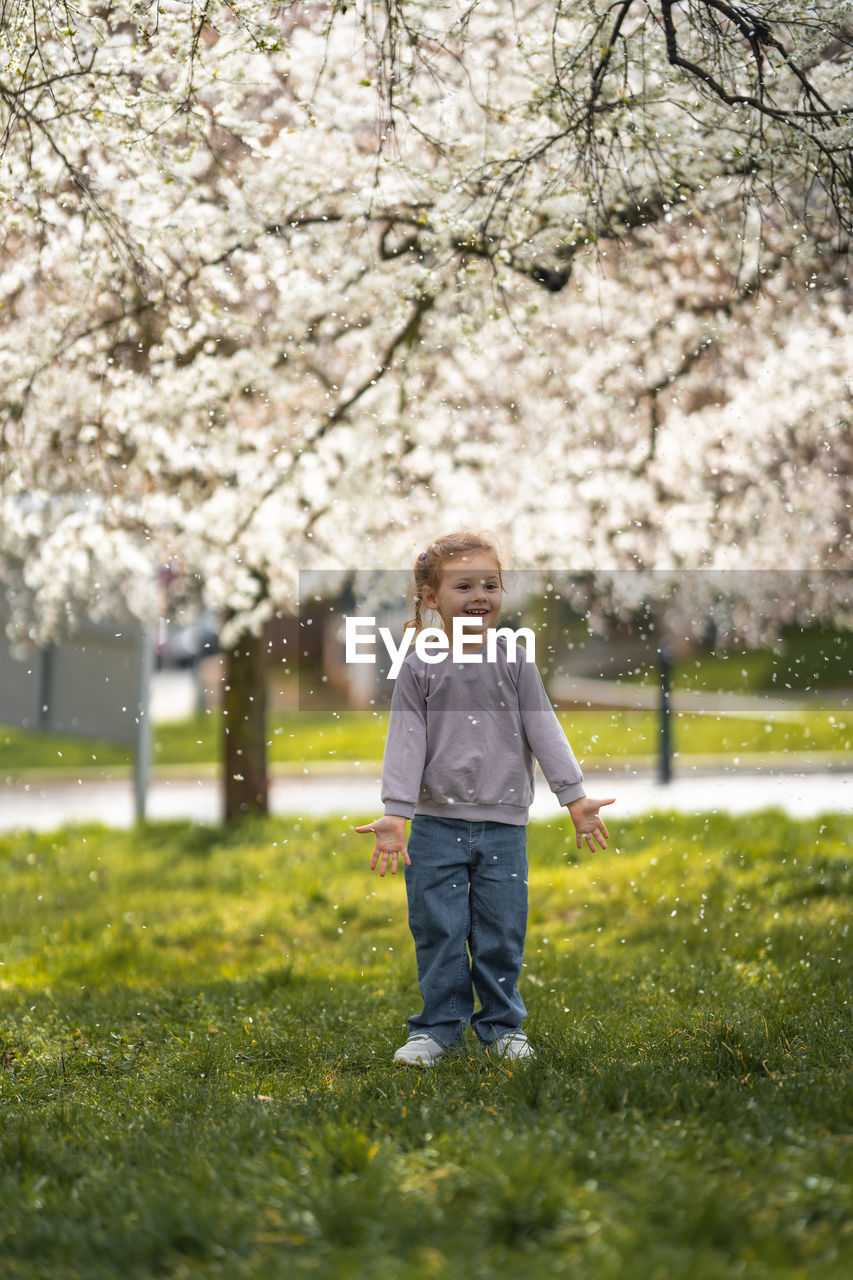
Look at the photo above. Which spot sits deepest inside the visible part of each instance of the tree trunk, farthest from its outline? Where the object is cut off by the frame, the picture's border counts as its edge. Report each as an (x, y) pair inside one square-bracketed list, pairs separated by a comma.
[(246, 788)]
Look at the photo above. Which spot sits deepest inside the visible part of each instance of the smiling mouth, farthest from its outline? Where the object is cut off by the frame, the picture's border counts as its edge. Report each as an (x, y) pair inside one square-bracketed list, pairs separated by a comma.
[(476, 613)]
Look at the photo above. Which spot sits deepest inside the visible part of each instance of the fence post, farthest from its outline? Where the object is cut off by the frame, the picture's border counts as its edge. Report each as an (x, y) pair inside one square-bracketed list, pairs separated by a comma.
[(665, 705), (143, 744)]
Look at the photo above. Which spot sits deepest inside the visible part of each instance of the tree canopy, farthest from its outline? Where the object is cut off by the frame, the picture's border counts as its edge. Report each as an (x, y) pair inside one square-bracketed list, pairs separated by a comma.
[(570, 121), (292, 283)]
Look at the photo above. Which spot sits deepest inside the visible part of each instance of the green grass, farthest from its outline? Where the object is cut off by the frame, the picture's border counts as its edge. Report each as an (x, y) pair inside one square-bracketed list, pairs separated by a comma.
[(197, 1027), (804, 659), (599, 738)]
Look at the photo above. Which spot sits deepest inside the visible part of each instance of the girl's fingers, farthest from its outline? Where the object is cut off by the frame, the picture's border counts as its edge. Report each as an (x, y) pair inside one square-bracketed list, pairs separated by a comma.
[(381, 859), (596, 834)]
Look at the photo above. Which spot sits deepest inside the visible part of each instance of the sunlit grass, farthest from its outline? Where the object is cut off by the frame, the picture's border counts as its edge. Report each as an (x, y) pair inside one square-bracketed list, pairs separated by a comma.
[(599, 738), (608, 736), (804, 661), (198, 1023)]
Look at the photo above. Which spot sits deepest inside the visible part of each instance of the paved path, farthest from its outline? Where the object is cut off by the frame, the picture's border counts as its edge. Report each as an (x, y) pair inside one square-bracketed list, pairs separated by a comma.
[(43, 805)]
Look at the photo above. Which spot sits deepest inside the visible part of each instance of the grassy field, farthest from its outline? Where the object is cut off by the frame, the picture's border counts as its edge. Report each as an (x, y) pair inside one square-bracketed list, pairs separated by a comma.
[(599, 738), (197, 1026), (805, 661)]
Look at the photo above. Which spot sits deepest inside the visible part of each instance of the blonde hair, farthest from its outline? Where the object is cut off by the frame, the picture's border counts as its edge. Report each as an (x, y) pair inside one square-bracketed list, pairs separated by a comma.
[(429, 564)]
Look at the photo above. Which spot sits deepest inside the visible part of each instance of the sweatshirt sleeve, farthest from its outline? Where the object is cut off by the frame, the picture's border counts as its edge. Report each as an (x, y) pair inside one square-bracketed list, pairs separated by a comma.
[(405, 746), (545, 736)]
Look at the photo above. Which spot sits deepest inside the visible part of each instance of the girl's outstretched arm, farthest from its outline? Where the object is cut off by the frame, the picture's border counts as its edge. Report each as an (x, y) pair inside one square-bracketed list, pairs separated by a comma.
[(390, 832), (588, 825)]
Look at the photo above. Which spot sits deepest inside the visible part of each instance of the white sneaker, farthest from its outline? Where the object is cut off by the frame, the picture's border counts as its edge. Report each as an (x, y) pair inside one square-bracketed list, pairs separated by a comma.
[(513, 1045), (419, 1051)]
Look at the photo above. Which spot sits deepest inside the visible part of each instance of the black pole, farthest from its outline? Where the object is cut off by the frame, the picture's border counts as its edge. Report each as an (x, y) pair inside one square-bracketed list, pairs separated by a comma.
[(665, 737), (46, 714)]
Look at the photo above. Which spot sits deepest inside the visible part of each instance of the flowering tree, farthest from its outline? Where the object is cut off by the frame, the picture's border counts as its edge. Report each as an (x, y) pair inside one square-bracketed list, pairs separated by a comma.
[(201, 286), (569, 122), (272, 286), (699, 155)]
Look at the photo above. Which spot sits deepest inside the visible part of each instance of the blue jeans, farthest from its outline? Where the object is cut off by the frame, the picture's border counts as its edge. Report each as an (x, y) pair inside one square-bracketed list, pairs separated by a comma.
[(467, 891)]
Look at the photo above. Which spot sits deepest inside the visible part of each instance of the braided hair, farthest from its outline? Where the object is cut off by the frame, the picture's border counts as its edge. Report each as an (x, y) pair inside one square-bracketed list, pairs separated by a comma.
[(429, 564)]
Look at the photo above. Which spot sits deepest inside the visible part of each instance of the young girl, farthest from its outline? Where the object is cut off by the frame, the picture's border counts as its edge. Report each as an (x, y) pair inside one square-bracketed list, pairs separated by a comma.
[(459, 762)]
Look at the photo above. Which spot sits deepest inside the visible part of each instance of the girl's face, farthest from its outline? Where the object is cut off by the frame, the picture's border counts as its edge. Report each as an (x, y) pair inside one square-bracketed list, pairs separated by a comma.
[(469, 587)]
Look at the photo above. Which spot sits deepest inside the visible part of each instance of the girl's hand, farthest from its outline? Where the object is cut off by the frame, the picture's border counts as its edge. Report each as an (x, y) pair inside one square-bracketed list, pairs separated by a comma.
[(588, 825), (390, 833)]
